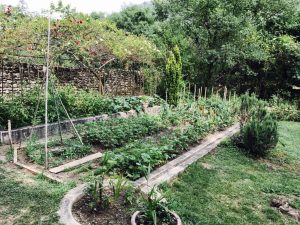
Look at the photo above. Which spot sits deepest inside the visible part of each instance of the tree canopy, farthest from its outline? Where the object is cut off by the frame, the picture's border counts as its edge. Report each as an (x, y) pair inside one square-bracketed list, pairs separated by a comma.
[(244, 44)]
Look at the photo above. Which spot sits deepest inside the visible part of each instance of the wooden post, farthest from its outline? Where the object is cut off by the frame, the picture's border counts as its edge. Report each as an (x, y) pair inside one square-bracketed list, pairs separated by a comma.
[(212, 91), (15, 153), (167, 95), (195, 90), (201, 91), (205, 92), (225, 93), (234, 95), (229, 96)]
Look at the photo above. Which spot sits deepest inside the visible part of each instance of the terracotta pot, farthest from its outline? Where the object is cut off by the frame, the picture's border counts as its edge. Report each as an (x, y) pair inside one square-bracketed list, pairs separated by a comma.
[(134, 216)]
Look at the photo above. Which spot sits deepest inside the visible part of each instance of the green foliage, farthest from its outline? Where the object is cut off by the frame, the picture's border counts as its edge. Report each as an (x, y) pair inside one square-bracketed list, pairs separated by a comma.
[(117, 132), (69, 149), (153, 209), (283, 110), (260, 136), (245, 45), (133, 159), (96, 190), (258, 128), (79, 103), (173, 77), (223, 187), (75, 39)]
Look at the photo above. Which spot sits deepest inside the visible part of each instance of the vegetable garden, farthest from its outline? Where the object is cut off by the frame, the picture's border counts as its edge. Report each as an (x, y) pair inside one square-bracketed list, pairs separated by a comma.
[(113, 147)]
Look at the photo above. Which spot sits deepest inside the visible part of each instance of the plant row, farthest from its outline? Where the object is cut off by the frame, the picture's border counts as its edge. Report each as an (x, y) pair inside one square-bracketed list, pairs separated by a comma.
[(29, 108), (134, 159), (117, 132)]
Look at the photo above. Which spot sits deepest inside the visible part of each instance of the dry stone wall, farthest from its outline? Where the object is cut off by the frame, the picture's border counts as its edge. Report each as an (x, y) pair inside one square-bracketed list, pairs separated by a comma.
[(14, 78)]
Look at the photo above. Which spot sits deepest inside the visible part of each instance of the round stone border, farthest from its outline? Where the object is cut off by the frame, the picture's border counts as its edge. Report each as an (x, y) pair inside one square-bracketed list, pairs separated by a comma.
[(66, 205)]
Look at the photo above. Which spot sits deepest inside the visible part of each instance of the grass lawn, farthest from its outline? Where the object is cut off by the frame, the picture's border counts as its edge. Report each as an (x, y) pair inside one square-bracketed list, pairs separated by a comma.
[(25, 199), (228, 187)]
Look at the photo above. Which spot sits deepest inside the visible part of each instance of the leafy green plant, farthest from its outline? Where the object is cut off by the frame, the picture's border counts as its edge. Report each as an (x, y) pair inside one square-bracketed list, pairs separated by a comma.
[(96, 191), (21, 110), (284, 110), (69, 149), (259, 136), (117, 132), (118, 185), (153, 209)]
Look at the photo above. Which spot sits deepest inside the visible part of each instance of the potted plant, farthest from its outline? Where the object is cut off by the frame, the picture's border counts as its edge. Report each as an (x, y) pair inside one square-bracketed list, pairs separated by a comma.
[(154, 212)]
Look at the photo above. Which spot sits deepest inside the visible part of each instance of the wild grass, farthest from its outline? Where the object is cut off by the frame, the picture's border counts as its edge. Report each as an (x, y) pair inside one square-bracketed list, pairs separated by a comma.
[(29, 200), (229, 187)]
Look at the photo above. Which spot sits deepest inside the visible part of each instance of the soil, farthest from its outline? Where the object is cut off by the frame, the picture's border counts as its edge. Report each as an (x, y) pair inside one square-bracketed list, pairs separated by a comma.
[(118, 213)]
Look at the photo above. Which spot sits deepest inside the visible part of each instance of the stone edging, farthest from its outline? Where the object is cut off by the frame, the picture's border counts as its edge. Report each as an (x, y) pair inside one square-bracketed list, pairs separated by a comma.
[(65, 211), (162, 174)]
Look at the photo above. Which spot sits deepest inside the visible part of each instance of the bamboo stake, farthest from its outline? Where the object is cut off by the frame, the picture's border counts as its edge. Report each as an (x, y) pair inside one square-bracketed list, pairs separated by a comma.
[(46, 96)]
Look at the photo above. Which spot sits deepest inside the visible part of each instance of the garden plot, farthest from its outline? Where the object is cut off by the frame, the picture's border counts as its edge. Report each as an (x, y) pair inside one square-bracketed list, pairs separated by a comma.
[(129, 145), (179, 128), (98, 138)]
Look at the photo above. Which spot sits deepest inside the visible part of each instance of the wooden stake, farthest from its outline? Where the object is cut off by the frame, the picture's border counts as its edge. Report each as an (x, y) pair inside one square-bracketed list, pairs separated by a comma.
[(225, 93), (15, 152), (195, 90), (205, 92), (212, 91), (167, 95), (201, 91)]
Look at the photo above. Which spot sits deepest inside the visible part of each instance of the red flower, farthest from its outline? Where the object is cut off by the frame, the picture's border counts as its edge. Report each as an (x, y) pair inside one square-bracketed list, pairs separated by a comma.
[(77, 42)]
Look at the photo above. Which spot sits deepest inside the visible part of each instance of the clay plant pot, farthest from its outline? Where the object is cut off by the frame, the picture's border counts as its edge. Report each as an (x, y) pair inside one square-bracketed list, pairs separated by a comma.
[(135, 215)]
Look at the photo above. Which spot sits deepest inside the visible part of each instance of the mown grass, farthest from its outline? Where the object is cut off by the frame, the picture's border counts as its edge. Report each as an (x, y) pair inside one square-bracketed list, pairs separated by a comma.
[(229, 187), (29, 200)]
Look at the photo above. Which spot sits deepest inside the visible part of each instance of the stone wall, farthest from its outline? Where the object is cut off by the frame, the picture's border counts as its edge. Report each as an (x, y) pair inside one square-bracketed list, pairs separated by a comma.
[(14, 78)]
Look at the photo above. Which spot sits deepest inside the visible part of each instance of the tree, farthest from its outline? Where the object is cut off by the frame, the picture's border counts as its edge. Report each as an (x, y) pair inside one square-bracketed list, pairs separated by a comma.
[(173, 76)]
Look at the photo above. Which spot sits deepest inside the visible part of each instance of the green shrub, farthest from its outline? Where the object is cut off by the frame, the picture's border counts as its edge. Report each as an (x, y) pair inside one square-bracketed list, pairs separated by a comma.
[(173, 76), (259, 136), (284, 110)]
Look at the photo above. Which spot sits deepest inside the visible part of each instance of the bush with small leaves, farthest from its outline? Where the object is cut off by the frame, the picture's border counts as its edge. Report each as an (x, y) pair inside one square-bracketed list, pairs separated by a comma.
[(259, 136)]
